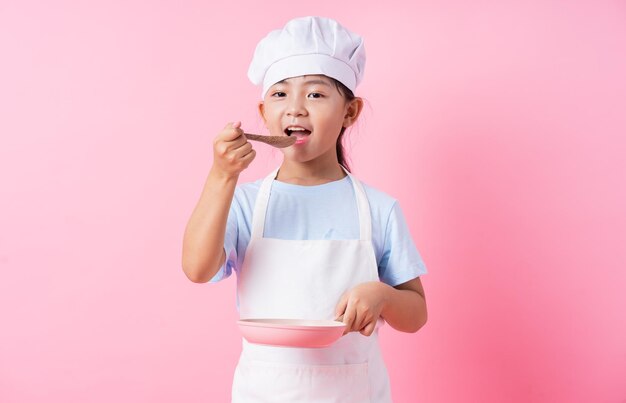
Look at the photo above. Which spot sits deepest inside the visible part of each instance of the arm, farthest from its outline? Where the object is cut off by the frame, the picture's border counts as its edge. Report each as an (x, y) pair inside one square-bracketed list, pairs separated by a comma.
[(402, 306), (203, 241), (405, 306)]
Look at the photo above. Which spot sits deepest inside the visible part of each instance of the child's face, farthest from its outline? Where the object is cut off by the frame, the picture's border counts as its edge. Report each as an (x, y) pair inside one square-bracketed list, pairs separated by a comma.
[(314, 105)]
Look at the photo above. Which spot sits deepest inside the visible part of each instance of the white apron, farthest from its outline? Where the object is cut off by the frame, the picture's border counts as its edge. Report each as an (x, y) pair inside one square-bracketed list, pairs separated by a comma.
[(304, 279)]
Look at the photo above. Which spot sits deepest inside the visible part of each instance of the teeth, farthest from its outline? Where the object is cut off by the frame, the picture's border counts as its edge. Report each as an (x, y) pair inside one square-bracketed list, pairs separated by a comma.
[(292, 130)]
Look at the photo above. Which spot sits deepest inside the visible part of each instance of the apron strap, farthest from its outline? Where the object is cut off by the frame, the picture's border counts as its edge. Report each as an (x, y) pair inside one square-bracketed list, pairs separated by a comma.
[(260, 206), (263, 197), (363, 207)]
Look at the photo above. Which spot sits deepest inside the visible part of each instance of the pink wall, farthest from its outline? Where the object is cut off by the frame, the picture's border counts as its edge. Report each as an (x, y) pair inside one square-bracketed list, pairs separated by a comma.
[(498, 125)]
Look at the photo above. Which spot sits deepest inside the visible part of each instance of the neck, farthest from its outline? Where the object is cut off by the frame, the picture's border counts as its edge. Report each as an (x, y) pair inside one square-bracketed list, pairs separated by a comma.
[(309, 173)]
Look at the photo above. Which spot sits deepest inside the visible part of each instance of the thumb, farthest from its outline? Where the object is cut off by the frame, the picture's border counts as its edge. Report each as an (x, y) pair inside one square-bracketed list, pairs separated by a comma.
[(341, 306), (234, 125)]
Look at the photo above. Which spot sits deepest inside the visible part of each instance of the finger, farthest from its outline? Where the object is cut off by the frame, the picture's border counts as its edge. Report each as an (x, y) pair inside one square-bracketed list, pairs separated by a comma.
[(341, 306), (231, 133), (361, 322), (229, 142), (247, 159), (243, 150), (368, 329), (234, 136), (236, 123), (349, 317), (227, 149)]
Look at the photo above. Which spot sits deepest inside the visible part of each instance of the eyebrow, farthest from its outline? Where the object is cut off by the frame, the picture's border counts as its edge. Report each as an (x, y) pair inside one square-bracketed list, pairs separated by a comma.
[(308, 82)]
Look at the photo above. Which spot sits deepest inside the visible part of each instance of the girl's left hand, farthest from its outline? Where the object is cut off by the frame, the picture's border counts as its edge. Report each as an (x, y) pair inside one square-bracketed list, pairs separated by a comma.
[(361, 306)]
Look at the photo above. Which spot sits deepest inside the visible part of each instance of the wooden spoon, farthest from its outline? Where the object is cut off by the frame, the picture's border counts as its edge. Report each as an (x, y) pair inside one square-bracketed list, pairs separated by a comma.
[(275, 141)]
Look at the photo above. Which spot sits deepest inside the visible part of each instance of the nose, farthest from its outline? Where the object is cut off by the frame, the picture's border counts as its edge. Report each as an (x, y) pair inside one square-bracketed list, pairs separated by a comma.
[(296, 107)]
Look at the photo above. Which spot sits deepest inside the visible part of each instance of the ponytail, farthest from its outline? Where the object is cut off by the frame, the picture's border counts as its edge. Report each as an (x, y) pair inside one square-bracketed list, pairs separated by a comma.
[(341, 153)]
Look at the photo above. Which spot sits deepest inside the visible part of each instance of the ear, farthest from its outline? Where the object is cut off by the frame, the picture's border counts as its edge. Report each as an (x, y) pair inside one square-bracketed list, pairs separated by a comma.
[(261, 107), (353, 110)]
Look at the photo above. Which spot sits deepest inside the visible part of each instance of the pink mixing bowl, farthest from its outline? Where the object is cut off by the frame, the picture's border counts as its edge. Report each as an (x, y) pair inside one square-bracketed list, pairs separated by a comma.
[(291, 332)]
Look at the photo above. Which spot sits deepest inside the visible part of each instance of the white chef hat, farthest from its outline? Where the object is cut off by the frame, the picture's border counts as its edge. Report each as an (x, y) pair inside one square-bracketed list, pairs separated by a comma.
[(305, 46)]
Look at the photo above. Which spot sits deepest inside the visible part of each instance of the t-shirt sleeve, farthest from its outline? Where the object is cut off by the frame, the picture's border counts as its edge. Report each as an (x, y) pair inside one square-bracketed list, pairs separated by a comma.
[(230, 244), (400, 261)]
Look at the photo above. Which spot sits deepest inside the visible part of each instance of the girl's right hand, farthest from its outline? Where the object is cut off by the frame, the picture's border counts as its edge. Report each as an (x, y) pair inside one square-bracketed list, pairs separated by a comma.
[(232, 153)]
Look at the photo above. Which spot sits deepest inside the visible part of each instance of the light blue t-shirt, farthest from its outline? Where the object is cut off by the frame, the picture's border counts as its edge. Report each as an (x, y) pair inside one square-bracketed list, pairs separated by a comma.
[(325, 211)]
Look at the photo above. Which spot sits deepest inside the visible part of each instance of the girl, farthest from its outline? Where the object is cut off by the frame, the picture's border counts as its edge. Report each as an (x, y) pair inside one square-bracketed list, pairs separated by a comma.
[(309, 241)]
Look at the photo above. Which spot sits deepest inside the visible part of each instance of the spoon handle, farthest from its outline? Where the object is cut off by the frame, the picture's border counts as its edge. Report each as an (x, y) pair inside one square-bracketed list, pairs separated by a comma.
[(276, 141), (256, 137)]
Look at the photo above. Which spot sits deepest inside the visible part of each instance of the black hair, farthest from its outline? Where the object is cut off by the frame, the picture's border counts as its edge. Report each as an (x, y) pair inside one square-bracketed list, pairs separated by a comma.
[(349, 96)]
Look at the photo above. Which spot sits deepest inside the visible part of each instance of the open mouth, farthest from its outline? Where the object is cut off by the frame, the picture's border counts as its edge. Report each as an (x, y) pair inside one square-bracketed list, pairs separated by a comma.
[(297, 131)]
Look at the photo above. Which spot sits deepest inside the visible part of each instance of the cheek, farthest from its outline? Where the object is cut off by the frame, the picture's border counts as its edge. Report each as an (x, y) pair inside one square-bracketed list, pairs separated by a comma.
[(270, 119), (272, 115)]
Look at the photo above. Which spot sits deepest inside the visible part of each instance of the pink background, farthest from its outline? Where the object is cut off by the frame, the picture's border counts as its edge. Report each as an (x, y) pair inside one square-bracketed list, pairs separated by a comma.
[(499, 126)]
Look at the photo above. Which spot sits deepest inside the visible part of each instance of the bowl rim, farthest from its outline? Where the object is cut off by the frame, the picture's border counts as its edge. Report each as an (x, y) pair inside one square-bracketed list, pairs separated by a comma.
[(294, 324)]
